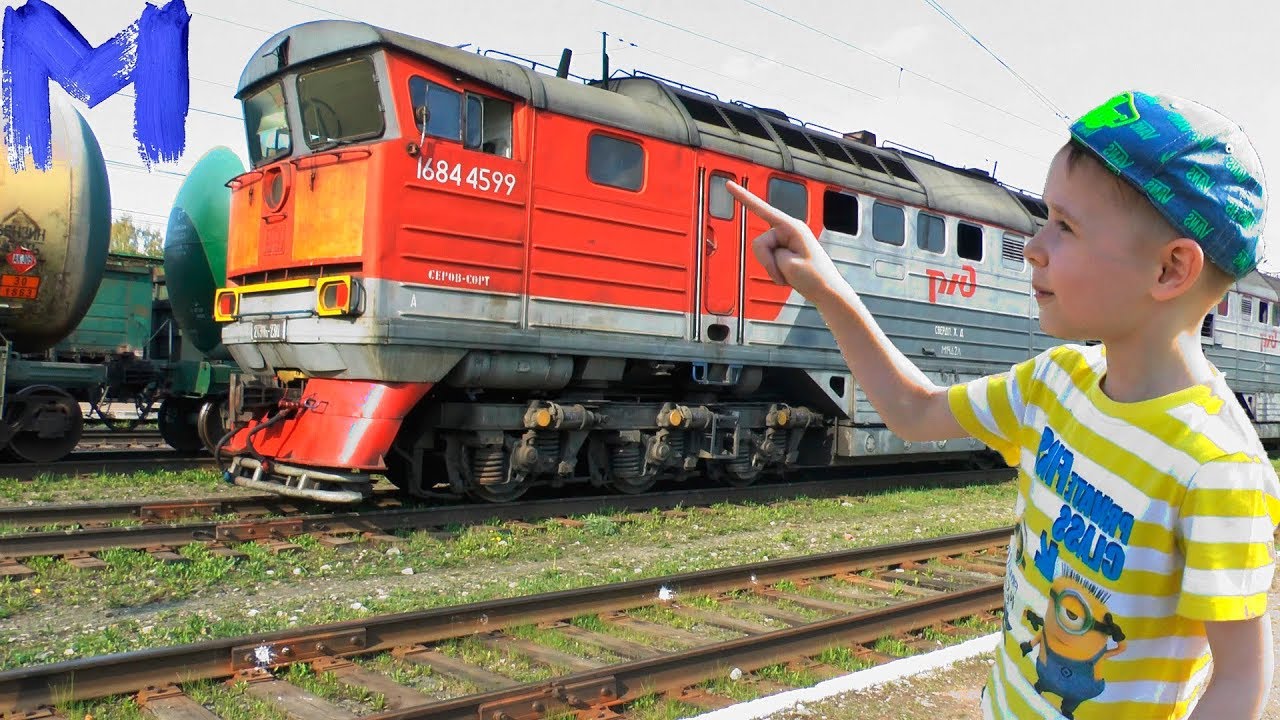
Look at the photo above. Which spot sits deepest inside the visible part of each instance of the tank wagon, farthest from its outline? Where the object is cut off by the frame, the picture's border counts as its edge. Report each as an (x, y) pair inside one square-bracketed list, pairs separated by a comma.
[(86, 328), (54, 233), (447, 267)]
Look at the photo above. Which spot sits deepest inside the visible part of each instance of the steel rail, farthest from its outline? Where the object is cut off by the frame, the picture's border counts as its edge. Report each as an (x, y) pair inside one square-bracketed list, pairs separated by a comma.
[(95, 539), (629, 681), (158, 509), (30, 687)]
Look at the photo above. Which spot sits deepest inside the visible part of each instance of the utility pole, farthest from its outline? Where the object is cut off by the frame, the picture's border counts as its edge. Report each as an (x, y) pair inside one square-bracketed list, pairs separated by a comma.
[(604, 56)]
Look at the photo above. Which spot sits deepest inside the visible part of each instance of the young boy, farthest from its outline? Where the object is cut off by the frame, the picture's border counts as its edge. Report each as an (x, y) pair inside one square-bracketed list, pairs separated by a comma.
[(1143, 550)]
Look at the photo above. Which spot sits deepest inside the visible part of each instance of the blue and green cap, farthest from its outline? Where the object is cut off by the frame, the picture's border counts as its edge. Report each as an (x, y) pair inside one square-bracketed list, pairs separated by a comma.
[(1197, 167)]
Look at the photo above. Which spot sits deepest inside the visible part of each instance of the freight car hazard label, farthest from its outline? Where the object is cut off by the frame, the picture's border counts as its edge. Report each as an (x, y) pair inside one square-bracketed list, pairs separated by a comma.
[(19, 287), (22, 259)]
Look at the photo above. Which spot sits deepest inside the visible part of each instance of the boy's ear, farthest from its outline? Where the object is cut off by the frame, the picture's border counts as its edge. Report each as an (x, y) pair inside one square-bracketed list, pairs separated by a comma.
[(1181, 262)]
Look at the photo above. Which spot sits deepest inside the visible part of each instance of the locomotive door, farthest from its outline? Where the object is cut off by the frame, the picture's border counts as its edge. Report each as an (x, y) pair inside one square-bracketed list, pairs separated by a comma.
[(720, 233)]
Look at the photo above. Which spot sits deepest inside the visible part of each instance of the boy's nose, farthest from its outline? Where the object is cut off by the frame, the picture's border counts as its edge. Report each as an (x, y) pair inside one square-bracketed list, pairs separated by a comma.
[(1034, 251)]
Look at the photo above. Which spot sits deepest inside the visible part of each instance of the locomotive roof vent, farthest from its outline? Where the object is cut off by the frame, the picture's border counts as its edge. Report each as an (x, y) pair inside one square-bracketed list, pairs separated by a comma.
[(866, 137)]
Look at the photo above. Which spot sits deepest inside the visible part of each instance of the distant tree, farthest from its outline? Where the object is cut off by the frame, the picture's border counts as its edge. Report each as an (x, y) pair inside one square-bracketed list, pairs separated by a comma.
[(129, 238)]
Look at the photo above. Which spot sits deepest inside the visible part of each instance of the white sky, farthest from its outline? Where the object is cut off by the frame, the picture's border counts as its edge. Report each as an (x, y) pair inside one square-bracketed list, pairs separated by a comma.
[(1224, 54)]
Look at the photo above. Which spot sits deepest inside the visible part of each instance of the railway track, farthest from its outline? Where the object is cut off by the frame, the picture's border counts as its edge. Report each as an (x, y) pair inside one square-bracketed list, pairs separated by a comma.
[(378, 518), (663, 636)]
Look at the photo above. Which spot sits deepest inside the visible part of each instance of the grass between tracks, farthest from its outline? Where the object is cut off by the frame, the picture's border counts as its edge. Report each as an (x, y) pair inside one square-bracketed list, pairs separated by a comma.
[(138, 601), (166, 484)]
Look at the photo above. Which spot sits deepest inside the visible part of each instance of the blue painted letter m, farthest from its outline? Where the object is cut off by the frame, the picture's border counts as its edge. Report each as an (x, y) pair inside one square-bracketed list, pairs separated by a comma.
[(40, 45)]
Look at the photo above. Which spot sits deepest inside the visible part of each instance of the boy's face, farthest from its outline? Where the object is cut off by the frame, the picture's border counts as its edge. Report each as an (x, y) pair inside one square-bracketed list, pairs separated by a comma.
[(1092, 262)]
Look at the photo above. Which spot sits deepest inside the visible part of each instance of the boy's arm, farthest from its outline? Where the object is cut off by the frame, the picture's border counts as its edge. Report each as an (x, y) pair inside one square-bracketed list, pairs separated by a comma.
[(911, 405), (1243, 661)]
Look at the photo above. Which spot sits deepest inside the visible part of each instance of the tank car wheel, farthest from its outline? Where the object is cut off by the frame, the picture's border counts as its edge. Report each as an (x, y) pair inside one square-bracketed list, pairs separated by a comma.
[(52, 421), (211, 422), (177, 421)]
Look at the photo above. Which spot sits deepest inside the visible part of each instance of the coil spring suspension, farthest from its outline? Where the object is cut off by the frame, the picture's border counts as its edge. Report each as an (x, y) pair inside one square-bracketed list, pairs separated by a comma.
[(489, 465), (626, 460), (548, 445)]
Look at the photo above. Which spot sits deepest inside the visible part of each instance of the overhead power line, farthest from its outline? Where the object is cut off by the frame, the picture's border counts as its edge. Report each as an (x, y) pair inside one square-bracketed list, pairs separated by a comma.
[(904, 69), (744, 51), (936, 5)]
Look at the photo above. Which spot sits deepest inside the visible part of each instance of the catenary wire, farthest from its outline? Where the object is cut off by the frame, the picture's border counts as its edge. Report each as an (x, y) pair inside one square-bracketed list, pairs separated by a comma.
[(936, 5)]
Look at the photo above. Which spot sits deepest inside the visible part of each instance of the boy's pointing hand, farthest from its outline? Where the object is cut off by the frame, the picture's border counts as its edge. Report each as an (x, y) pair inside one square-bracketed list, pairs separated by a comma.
[(788, 250)]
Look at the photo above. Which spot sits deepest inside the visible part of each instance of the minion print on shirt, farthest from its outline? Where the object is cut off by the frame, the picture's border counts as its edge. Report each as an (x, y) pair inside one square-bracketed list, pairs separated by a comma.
[(1075, 637)]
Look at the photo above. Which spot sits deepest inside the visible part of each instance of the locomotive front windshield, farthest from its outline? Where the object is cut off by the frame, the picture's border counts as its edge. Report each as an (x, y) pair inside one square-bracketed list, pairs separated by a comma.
[(267, 125), (340, 104)]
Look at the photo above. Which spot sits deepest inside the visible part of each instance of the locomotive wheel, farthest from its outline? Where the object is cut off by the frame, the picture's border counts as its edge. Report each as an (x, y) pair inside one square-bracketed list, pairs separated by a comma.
[(211, 423), (177, 420), (49, 424), (723, 474), (632, 486)]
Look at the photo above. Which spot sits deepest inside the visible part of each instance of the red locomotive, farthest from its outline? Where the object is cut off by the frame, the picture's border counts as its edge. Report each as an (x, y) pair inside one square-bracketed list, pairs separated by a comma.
[(453, 269)]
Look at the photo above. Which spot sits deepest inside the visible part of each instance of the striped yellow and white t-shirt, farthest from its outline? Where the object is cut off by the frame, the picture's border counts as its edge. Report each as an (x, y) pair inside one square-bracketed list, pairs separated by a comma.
[(1137, 522)]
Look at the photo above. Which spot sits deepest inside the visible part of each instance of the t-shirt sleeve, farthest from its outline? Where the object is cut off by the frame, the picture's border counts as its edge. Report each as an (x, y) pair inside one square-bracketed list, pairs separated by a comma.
[(1228, 518), (991, 408)]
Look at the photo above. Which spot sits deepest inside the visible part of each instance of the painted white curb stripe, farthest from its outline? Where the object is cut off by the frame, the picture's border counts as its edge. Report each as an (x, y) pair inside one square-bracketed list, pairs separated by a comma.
[(861, 680)]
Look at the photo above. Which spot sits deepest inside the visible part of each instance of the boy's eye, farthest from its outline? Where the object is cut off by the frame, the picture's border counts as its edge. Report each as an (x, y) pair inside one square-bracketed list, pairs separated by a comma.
[(1063, 226)]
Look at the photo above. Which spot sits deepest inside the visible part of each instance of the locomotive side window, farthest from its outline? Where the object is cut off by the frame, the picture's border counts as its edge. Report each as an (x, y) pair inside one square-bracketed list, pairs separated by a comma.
[(790, 197), (615, 162), (1224, 307), (267, 125), (1275, 315), (969, 241), (840, 212), (340, 103), (719, 201), (1263, 307), (888, 224), (930, 233), (488, 125), (441, 107)]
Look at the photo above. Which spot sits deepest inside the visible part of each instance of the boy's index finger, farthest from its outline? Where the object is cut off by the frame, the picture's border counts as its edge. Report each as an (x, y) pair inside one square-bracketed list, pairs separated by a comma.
[(773, 215)]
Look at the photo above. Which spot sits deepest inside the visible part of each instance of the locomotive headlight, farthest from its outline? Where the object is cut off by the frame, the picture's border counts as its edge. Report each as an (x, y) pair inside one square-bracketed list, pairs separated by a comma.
[(337, 295), (225, 304)]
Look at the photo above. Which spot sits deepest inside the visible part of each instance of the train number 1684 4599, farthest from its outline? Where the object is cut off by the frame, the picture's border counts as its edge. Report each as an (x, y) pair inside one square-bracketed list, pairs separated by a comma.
[(482, 179)]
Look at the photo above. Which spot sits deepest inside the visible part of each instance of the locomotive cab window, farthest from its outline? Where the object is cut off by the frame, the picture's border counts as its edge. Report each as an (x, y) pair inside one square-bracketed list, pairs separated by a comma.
[(340, 103), (930, 233), (1224, 307), (790, 197), (615, 162), (840, 212), (267, 125), (969, 241), (1263, 307), (719, 202), (488, 125), (438, 106), (888, 224)]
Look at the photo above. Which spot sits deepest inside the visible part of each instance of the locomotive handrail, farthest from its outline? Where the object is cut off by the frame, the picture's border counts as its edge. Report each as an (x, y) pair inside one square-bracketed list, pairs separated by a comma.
[(533, 63), (236, 182), (336, 154)]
